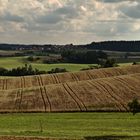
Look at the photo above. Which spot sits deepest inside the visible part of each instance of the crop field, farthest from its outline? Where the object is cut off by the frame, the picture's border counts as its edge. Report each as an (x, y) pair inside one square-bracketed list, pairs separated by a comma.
[(120, 126), (47, 79), (96, 93), (65, 105)]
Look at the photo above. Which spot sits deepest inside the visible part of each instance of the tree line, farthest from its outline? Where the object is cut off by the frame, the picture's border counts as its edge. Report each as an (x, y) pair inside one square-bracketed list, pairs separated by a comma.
[(126, 46), (89, 57), (28, 70), (21, 71)]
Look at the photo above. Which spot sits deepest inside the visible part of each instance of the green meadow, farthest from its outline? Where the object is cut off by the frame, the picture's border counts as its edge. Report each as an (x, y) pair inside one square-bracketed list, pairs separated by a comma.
[(72, 125), (13, 62)]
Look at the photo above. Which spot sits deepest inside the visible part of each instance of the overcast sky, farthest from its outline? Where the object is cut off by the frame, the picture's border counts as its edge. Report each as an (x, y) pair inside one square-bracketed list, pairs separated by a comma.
[(68, 21)]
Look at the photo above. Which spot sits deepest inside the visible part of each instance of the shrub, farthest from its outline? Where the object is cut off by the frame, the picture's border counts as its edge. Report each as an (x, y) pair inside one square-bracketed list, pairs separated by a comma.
[(21, 71), (57, 70), (134, 106), (108, 63)]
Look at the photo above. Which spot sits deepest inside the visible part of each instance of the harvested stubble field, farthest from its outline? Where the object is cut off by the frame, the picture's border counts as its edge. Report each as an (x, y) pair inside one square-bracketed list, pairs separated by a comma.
[(103, 94), (43, 80)]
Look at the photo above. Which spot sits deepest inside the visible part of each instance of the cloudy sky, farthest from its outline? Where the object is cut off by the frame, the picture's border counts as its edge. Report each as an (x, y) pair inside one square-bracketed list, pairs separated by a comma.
[(68, 21)]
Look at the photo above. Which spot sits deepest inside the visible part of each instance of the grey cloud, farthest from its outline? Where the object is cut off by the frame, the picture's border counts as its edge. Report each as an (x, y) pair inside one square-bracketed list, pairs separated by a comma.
[(133, 11), (113, 1), (58, 15), (67, 11), (46, 19), (49, 19), (11, 18)]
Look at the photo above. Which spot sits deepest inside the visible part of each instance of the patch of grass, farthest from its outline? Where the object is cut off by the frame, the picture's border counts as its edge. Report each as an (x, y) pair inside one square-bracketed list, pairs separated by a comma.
[(12, 62), (71, 125), (67, 66)]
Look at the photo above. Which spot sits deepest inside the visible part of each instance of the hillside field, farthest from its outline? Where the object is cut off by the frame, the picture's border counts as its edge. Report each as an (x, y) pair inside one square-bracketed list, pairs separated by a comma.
[(72, 125), (108, 89), (13, 62), (28, 105)]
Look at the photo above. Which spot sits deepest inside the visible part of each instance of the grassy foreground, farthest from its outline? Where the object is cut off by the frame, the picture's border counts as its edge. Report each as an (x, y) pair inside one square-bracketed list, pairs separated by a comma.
[(71, 125)]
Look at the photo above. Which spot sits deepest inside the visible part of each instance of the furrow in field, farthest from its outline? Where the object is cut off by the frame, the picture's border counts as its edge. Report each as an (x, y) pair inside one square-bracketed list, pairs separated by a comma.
[(1, 84), (132, 89), (59, 81), (41, 92), (30, 81), (49, 102), (17, 99), (45, 91), (108, 94), (56, 79), (74, 77), (116, 96), (97, 95), (77, 98), (88, 74), (5, 84), (103, 96), (123, 82), (69, 92), (21, 93), (3, 87), (53, 79)]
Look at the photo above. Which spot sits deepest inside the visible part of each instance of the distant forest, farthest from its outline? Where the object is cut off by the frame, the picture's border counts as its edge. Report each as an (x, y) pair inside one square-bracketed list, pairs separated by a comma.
[(126, 46), (123, 46)]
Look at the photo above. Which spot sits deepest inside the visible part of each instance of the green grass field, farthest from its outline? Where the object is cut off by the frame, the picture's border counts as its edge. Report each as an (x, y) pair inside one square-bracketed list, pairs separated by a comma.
[(13, 62), (72, 125)]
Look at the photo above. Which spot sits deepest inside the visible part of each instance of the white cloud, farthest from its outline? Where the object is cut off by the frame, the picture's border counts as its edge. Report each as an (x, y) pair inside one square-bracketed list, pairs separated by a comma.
[(66, 21)]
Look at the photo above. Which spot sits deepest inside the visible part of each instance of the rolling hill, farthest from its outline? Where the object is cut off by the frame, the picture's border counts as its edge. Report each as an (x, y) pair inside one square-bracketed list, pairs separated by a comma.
[(42, 80), (96, 90)]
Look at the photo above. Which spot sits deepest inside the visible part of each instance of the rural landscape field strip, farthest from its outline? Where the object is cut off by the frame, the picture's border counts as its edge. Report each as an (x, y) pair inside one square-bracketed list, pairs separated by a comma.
[(92, 90), (98, 126), (107, 95), (119, 99), (43, 94), (21, 91), (128, 85), (48, 79), (17, 101), (60, 98), (81, 102), (103, 94), (4, 84), (74, 99), (97, 94), (45, 91)]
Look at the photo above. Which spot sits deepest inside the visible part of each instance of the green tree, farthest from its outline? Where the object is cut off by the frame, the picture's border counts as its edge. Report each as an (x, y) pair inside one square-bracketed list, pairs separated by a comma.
[(108, 63), (134, 106)]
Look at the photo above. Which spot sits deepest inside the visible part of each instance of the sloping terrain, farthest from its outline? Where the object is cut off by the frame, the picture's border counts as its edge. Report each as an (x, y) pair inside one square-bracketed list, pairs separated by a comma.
[(42, 80), (103, 94)]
